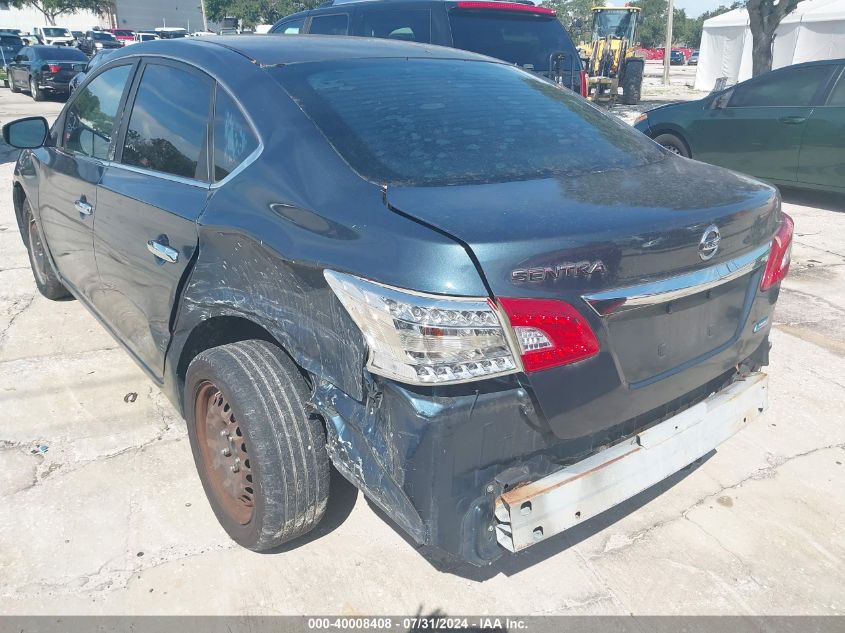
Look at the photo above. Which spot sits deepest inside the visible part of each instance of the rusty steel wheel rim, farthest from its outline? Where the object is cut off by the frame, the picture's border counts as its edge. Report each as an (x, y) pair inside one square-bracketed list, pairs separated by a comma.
[(224, 453)]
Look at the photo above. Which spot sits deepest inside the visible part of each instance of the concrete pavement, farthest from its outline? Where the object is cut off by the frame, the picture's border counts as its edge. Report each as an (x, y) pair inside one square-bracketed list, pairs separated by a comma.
[(101, 511)]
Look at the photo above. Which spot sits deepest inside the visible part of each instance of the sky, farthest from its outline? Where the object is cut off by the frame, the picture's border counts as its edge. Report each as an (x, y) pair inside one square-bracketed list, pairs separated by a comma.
[(694, 8)]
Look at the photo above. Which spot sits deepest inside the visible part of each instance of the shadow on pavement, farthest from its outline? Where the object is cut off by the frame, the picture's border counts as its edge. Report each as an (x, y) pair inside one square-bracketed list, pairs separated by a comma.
[(511, 564), (8, 154), (342, 498), (825, 200)]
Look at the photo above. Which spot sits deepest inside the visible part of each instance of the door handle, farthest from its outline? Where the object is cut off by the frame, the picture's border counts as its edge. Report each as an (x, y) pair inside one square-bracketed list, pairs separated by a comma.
[(163, 251), (83, 207), (792, 120)]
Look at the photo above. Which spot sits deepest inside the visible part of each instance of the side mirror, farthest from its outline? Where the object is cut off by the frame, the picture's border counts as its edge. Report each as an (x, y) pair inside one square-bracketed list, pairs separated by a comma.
[(27, 133)]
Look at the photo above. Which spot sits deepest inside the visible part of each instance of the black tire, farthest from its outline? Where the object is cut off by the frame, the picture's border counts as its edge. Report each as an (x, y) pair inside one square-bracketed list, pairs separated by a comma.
[(34, 90), (283, 478), (632, 82), (42, 270), (12, 85), (673, 143)]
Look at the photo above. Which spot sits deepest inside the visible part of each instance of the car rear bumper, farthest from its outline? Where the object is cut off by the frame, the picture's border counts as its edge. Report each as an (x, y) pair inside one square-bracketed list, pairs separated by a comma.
[(442, 461), (538, 510), (54, 85)]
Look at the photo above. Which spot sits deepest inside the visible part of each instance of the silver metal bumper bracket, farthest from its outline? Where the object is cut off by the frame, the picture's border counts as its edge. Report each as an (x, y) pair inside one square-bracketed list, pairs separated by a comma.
[(540, 509)]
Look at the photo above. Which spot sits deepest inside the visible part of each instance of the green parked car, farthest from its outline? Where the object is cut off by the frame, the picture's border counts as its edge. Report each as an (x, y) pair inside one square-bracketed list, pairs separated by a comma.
[(786, 126)]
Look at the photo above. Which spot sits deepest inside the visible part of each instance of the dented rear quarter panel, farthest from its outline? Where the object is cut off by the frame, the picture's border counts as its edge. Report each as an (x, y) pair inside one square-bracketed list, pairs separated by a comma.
[(267, 235)]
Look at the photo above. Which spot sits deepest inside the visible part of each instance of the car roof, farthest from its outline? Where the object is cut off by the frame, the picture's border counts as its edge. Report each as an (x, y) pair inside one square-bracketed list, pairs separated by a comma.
[(328, 5), (273, 50)]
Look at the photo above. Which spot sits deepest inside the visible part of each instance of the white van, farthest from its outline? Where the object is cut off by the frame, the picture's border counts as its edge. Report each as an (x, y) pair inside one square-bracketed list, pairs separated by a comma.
[(56, 35)]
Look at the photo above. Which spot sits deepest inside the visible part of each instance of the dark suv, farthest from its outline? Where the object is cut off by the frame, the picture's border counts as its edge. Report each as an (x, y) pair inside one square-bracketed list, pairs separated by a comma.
[(521, 33), (329, 250), (96, 41)]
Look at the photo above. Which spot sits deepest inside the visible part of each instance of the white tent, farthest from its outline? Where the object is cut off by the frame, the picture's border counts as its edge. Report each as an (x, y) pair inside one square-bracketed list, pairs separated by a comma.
[(815, 30)]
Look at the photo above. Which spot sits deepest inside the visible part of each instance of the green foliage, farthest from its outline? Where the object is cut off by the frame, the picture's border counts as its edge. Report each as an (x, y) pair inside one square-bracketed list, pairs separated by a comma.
[(252, 12), (576, 17), (51, 9)]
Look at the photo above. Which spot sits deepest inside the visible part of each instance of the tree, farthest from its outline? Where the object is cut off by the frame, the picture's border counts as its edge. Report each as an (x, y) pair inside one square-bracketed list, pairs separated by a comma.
[(576, 17), (51, 9), (252, 12), (764, 17)]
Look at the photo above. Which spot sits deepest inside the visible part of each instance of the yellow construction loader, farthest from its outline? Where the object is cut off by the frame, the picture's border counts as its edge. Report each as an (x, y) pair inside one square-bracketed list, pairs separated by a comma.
[(611, 62)]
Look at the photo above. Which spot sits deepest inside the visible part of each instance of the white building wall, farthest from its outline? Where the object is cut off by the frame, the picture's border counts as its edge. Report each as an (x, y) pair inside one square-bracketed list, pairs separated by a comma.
[(149, 14), (26, 19)]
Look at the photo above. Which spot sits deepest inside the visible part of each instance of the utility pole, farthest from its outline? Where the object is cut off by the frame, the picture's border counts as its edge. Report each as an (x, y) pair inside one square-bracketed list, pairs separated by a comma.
[(667, 52), (204, 19)]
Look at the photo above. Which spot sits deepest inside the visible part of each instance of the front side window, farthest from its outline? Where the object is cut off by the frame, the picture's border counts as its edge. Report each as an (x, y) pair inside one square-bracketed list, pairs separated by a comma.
[(168, 127), (330, 24), (91, 118), (794, 87), (233, 138), (412, 26), (291, 28)]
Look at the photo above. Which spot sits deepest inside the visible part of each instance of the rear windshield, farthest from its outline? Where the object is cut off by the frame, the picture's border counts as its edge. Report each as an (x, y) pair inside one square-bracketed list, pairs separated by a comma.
[(122, 33), (10, 40), (58, 53), (99, 35), (56, 32), (435, 121), (523, 39)]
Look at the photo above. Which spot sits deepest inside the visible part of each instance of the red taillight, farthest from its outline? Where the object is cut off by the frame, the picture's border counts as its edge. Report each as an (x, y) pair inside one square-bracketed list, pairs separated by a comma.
[(583, 77), (505, 6), (779, 257), (53, 68), (549, 332)]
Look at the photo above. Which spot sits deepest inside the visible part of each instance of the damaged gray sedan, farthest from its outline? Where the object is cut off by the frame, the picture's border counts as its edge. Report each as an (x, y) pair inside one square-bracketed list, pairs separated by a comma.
[(493, 308)]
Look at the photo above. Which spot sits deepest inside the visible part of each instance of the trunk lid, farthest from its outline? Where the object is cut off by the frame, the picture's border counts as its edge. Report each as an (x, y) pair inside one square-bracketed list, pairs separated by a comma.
[(66, 70), (595, 233)]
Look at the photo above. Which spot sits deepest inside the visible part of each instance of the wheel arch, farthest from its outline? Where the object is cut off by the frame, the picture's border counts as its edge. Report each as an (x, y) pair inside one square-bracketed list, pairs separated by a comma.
[(674, 130), (18, 196)]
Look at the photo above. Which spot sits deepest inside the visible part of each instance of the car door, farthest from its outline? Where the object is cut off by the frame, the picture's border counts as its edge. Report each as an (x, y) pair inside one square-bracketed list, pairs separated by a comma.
[(148, 203), (19, 71), (68, 189), (822, 157), (756, 127)]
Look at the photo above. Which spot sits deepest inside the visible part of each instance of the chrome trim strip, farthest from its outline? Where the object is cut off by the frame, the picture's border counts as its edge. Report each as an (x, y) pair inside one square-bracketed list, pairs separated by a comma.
[(159, 174), (654, 292), (246, 162)]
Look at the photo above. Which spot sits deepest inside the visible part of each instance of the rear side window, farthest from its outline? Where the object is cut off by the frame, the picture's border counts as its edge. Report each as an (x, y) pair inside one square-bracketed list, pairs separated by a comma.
[(233, 138), (91, 117), (411, 26), (168, 128), (837, 96), (337, 24), (794, 87), (458, 121), (524, 39)]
